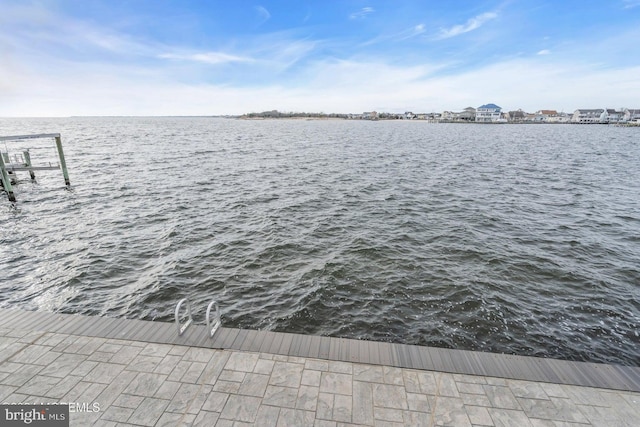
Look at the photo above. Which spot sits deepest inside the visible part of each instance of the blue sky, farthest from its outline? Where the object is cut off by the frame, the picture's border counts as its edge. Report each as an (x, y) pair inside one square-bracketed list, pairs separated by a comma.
[(163, 57)]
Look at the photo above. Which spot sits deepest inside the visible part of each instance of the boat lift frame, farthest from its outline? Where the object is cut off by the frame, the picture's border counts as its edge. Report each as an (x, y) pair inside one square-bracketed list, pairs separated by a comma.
[(7, 168)]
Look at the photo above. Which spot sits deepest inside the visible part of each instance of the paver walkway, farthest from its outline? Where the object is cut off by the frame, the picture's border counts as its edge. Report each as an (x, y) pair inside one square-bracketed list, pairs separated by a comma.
[(112, 382)]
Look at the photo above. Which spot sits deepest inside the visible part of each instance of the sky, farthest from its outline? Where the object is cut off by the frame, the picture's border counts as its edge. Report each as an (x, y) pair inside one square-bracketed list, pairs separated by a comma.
[(161, 57)]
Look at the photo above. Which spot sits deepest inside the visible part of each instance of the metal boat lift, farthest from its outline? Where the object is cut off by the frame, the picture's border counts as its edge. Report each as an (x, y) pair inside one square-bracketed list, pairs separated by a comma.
[(9, 164)]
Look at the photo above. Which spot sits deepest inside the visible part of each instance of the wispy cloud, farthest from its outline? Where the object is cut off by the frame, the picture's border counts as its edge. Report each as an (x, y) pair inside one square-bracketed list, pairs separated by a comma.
[(113, 67), (307, 16), (362, 13), (472, 24), (263, 13), (414, 31), (336, 86), (417, 30), (291, 53), (213, 58), (30, 28)]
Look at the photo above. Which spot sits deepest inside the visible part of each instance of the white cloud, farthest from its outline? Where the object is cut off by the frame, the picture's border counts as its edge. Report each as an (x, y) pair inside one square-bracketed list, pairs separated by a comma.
[(628, 4), (51, 42), (472, 24), (329, 86), (416, 31), (212, 58), (36, 81), (279, 51), (402, 35), (263, 13), (362, 13), (28, 28)]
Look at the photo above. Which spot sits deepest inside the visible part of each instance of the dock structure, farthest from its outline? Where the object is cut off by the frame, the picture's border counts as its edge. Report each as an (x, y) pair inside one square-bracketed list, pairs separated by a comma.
[(10, 164), (134, 372)]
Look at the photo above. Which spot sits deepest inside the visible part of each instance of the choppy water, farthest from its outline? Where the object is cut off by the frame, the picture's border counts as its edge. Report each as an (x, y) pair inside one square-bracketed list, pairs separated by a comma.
[(517, 239)]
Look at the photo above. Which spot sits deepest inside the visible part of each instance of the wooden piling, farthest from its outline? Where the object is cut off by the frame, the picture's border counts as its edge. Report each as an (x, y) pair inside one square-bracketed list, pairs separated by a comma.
[(27, 162), (63, 164)]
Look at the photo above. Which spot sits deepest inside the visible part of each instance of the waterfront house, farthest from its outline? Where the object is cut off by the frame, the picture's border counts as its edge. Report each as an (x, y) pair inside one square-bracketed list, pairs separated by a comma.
[(631, 115), (589, 116), (468, 114), (558, 118), (544, 115), (614, 116), (516, 116), (489, 113), (449, 115)]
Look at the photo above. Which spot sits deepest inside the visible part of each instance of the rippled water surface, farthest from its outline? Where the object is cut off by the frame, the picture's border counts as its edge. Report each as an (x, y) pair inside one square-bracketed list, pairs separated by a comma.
[(515, 238)]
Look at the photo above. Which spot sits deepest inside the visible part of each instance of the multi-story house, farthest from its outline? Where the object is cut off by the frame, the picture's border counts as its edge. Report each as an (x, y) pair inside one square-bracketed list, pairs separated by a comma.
[(468, 114), (631, 115), (544, 115), (449, 115), (614, 116), (583, 116), (488, 113), (559, 118)]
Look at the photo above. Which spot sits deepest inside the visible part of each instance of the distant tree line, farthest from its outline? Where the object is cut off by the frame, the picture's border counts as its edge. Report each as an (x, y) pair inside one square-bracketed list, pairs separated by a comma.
[(275, 114)]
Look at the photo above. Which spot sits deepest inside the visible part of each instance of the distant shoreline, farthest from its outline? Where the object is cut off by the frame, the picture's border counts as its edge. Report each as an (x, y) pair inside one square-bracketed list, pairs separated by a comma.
[(466, 122), (292, 118), (486, 114)]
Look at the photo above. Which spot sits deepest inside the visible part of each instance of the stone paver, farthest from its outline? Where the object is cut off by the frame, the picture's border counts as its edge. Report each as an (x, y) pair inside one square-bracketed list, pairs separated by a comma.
[(116, 382)]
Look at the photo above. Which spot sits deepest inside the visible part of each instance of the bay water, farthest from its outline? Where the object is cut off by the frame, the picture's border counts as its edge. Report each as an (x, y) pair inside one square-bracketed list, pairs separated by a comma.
[(521, 239)]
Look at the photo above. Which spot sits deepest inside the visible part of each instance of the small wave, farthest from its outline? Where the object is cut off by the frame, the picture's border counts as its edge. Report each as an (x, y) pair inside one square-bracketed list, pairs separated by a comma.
[(505, 239)]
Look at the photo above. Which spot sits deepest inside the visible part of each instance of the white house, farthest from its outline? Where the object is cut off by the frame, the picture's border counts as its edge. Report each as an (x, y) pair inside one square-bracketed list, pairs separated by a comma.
[(449, 115), (559, 118), (488, 113), (631, 115), (615, 116), (544, 115), (597, 115)]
